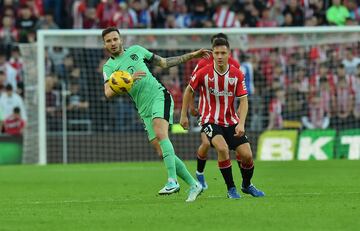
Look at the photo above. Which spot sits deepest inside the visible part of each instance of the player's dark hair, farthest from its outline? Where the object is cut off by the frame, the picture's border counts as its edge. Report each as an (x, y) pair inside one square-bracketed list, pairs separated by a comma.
[(220, 42), (341, 66), (109, 30), (219, 35), (17, 110)]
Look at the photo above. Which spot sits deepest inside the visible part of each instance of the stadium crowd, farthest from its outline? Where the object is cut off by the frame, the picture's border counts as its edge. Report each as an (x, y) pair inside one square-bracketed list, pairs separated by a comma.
[(312, 87)]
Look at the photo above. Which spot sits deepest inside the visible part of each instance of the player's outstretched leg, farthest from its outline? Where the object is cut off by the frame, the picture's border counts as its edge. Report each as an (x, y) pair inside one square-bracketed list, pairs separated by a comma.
[(183, 173), (195, 191), (169, 159), (170, 188)]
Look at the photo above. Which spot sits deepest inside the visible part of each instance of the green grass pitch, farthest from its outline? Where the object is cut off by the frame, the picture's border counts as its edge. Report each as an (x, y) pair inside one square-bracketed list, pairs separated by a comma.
[(310, 195)]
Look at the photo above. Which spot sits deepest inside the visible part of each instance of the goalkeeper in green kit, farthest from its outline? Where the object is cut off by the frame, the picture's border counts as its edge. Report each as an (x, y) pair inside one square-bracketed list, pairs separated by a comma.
[(153, 102)]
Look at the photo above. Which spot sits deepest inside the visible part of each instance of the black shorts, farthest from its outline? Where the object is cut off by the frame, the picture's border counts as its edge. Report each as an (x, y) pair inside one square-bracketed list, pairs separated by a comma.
[(211, 130)]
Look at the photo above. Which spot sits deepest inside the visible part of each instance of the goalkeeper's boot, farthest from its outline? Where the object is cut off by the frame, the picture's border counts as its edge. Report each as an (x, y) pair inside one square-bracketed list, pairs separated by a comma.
[(253, 191), (195, 191), (201, 178), (170, 188), (233, 194)]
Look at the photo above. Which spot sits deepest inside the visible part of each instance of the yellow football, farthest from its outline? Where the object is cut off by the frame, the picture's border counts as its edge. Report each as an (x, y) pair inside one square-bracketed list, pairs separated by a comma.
[(121, 82)]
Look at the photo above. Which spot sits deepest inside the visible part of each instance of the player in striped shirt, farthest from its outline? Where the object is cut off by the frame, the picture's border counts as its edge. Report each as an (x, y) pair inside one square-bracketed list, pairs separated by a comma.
[(218, 86), (204, 147)]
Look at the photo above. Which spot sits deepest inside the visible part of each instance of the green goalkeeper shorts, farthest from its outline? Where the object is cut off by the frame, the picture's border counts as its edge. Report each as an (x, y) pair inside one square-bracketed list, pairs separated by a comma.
[(162, 107)]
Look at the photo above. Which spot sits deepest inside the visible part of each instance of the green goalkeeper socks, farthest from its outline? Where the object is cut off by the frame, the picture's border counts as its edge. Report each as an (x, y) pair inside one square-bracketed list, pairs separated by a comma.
[(168, 157), (183, 173)]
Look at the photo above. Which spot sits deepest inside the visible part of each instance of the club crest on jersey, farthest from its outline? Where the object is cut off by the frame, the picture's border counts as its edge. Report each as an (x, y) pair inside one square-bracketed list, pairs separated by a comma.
[(232, 81), (134, 57)]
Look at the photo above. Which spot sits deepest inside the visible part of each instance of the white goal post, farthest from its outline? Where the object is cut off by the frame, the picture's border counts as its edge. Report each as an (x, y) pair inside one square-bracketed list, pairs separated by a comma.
[(261, 38)]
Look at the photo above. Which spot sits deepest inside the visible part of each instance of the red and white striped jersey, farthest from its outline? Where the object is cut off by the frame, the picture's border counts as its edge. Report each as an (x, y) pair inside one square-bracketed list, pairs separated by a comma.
[(224, 17), (217, 94)]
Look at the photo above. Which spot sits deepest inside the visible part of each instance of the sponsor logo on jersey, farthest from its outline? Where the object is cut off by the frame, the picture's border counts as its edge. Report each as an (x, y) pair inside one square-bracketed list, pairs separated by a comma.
[(220, 93), (134, 57)]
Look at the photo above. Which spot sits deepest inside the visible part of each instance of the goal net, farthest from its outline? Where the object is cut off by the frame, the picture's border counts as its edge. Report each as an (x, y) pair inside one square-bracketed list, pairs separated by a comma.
[(297, 78)]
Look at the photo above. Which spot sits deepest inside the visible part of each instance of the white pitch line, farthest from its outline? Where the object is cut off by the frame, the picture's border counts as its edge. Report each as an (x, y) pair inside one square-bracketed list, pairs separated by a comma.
[(209, 196)]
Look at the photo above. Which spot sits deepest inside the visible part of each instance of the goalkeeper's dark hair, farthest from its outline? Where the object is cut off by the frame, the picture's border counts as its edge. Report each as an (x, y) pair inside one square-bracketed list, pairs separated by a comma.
[(220, 42), (219, 35), (109, 30)]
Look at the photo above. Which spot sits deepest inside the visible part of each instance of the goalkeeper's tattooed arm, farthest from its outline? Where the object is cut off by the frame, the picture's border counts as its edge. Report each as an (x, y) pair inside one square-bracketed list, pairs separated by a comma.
[(176, 60)]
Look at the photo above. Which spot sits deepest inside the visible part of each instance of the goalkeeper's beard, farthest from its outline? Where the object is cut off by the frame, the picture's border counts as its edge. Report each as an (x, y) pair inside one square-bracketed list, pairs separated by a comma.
[(116, 53)]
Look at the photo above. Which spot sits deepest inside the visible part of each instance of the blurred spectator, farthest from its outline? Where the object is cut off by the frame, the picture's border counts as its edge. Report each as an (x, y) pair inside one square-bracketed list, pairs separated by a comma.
[(337, 13), (1, 119), (49, 65), (200, 14), (90, 21), (53, 109), (315, 8), (125, 17), (47, 22), (9, 100), (57, 56), (170, 21), (334, 58), (183, 18), (350, 62), (288, 20), (354, 10), (266, 20), (303, 79), (311, 21), (172, 84), (9, 71), (248, 70), (143, 16), (251, 15), (295, 101), (78, 10), (77, 102), (14, 124), (105, 12), (2, 82), (356, 90), (17, 62), (36, 6), (56, 6), (344, 98), (224, 16), (8, 9), (275, 109), (8, 34), (318, 116), (26, 23), (322, 74), (296, 12)]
